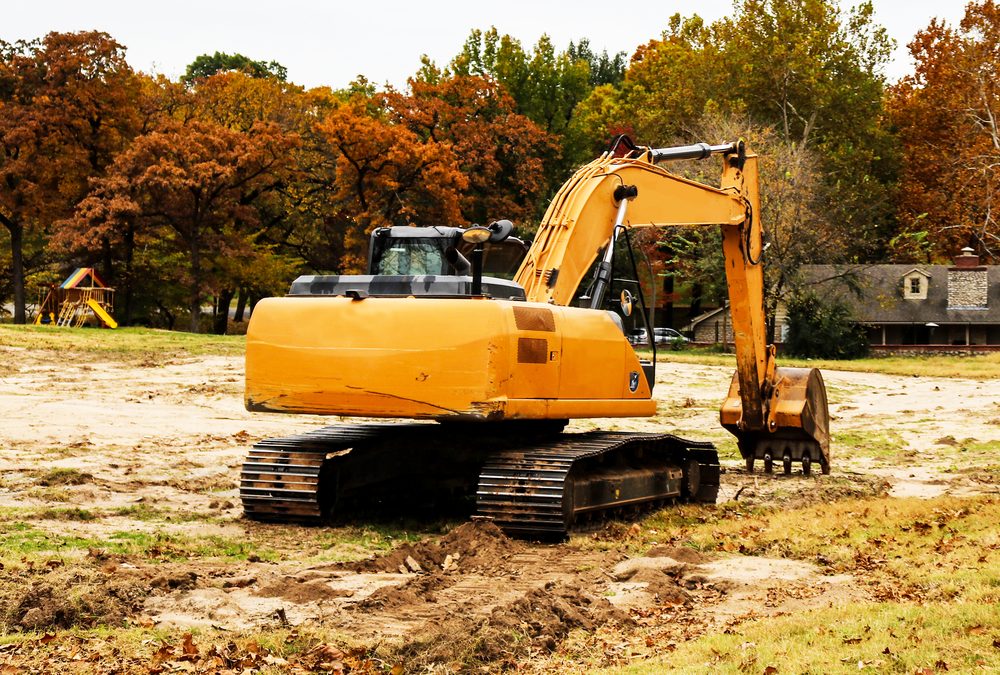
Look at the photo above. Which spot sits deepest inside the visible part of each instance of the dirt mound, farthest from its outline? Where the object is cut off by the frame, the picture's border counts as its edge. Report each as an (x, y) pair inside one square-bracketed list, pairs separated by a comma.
[(683, 554), (419, 590), (64, 599), (547, 614), (665, 588), (474, 546), (301, 591), (537, 621)]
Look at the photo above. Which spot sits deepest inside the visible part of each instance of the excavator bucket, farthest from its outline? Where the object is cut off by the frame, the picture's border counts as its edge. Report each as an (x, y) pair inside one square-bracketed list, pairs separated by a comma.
[(798, 422)]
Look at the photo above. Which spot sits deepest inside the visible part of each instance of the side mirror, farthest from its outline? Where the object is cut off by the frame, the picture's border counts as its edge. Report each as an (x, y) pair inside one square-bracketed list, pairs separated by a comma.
[(500, 230), (626, 302)]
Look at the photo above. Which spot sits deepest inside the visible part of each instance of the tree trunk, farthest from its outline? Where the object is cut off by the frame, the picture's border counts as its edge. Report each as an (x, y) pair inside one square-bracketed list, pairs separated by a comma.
[(195, 300), (107, 263), (221, 318), (241, 304), (17, 268), (126, 296)]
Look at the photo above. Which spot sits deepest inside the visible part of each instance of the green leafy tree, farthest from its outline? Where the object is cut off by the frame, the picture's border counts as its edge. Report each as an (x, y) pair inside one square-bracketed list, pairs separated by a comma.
[(604, 69), (207, 65)]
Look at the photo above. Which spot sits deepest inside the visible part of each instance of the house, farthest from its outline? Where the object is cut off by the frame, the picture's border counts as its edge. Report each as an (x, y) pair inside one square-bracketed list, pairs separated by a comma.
[(903, 306), (710, 327)]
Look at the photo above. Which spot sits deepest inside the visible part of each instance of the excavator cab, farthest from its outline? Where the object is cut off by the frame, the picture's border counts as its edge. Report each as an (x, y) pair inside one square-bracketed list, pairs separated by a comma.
[(436, 250)]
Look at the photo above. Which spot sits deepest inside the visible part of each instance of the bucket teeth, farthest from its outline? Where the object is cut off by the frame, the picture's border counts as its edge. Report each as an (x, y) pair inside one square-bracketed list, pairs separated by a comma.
[(799, 423)]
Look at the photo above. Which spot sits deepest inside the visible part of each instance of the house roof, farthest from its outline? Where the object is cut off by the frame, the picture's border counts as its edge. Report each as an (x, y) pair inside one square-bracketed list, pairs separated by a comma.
[(704, 317), (881, 300)]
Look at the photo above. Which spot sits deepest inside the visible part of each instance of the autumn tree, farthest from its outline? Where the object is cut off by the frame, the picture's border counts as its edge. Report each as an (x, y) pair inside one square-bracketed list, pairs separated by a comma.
[(384, 174), (192, 190), (947, 114), (503, 155), (67, 107)]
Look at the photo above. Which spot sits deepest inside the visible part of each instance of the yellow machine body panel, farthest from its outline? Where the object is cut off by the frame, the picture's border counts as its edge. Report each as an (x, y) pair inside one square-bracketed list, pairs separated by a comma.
[(419, 357)]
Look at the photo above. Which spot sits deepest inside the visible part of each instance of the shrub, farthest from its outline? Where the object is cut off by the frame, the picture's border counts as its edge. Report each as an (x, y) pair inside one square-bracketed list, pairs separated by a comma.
[(823, 328)]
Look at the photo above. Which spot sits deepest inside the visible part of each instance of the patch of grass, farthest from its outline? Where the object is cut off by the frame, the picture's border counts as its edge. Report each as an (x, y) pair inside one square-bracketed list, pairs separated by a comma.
[(136, 343), (877, 637), (71, 513), (935, 550), (340, 544), (49, 494), (141, 511), (975, 366), (886, 444), (63, 476), (137, 649), (19, 539)]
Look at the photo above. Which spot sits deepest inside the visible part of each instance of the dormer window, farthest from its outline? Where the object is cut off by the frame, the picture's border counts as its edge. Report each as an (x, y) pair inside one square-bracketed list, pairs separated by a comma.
[(915, 284)]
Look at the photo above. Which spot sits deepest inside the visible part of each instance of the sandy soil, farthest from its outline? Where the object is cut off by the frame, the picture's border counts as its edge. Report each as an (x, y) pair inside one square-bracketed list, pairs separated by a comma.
[(172, 435)]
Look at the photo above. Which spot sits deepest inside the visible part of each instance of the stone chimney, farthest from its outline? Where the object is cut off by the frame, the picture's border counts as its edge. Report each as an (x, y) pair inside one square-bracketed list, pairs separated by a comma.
[(967, 282)]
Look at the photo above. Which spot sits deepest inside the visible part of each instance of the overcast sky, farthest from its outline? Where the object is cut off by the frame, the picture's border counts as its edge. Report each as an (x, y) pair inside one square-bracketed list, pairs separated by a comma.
[(330, 43)]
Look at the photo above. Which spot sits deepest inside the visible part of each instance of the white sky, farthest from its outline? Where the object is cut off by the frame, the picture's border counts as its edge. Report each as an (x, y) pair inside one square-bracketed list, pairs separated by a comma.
[(330, 43)]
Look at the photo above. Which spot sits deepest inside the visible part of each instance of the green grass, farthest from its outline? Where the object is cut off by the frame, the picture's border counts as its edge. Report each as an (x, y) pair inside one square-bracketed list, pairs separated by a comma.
[(931, 566), (20, 539), (975, 366), (884, 444), (872, 638), (940, 549), (121, 342)]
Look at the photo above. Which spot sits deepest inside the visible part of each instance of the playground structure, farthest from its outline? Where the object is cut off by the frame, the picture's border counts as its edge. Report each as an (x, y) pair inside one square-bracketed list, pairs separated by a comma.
[(73, 301)]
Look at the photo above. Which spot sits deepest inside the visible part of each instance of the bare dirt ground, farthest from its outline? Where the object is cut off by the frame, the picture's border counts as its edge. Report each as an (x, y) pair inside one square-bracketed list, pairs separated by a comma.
[(100, 455)]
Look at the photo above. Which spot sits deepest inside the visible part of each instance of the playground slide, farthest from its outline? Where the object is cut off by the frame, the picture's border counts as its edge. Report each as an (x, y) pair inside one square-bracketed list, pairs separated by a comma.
[(101, 314)]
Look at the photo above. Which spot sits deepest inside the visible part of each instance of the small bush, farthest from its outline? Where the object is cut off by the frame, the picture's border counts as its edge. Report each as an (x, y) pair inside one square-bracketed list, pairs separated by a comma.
[(824, 329)]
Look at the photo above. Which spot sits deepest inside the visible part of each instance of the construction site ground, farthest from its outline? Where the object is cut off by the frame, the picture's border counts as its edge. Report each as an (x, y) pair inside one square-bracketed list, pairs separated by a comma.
[(123, 547)]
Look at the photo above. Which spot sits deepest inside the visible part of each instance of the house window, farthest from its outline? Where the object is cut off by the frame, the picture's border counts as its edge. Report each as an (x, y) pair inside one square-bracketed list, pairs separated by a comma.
[(915, 285)]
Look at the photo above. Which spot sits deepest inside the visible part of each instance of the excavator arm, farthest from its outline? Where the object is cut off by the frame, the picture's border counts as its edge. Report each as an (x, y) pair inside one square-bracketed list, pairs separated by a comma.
[(774, 412)]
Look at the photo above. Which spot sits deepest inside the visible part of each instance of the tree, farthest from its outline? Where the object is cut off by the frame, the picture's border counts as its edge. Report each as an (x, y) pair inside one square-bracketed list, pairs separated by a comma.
[(207, 65), (604, 69), (191, 190), (502, 154), (546, 85), (384, 174), (947, 118), (68, 105), (801, 67), (823, 328)]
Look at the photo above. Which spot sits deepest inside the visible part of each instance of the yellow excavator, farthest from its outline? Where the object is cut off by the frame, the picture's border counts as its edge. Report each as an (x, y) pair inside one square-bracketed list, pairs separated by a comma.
[(487, 371)]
